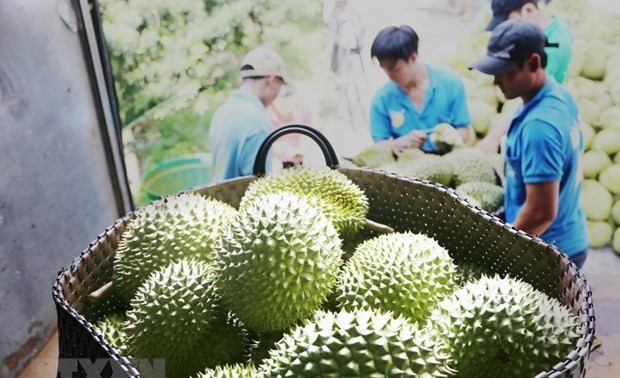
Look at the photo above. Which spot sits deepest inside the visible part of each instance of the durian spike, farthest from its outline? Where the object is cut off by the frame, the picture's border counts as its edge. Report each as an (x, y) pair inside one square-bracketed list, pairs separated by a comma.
[(377, 227), (100, 294)]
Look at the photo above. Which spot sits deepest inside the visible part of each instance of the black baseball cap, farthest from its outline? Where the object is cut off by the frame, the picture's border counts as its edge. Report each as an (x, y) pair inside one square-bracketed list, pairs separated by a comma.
[(502, 8), (511, 42)]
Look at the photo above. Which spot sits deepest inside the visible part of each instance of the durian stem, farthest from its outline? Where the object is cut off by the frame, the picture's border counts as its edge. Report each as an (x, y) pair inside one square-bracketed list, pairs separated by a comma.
[(377, 227), (100, 294)]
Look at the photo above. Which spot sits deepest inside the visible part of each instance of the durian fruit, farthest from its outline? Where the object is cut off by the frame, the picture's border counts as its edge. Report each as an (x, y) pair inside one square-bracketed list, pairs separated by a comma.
[(429, 167), (497, 161), (470, 164), (445, 137), (111, 329), (488, 196), (231, 371), (503, 327), (344, 202), (467, 272), (360, 343), (176, 315), (350, 244), (374, 156), (409, 154), (404, 273), (277, 262), (261, 344), (185, 225)]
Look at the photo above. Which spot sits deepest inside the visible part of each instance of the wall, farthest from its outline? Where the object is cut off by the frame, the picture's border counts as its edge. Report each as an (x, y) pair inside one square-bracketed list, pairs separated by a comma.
[(61, 179)]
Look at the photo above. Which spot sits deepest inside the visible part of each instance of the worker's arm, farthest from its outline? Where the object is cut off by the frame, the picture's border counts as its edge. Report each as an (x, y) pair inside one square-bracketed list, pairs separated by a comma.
[(415, 139), (490, 143), (539, 209), (464, 133)]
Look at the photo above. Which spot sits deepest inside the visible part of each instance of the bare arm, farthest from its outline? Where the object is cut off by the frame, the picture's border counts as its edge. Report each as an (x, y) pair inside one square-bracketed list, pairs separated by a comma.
[(414, 139), (464, 133), (490, 143), (540, 207)]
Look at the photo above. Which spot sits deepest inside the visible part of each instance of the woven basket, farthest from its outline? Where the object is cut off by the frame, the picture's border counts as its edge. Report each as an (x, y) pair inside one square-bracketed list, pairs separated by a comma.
[(405, 204)]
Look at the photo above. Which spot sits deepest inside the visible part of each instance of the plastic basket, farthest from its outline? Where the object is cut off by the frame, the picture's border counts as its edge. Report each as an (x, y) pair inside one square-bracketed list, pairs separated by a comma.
[(468, 233), (174, 175)]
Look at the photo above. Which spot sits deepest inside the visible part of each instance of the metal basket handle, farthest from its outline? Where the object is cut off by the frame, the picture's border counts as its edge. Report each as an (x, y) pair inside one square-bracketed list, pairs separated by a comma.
[(331, 160)]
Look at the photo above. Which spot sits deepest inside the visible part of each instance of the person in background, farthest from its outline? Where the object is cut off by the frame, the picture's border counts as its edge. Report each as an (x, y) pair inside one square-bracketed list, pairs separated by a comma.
[(287, 109), (418, 96), (559, 52), (466, 8), (557, 32), (242, 123), (544, 141), (346, 35)]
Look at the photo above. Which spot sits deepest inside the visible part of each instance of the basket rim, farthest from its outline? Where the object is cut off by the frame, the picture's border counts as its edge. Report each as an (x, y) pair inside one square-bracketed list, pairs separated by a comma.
[(61, 301), (570, 362)]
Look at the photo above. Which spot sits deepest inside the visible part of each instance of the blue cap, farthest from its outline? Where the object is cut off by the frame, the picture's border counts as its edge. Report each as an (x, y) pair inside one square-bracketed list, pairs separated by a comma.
[(502, 8), (511, 42)]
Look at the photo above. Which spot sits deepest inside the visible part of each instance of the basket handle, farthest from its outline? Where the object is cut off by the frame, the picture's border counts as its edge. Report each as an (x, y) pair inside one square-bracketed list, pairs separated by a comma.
[(331, 160)]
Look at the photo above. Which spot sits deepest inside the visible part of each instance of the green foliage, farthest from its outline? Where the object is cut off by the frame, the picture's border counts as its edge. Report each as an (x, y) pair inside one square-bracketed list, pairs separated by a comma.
[(175, 61), (169, 55), (183, 132)]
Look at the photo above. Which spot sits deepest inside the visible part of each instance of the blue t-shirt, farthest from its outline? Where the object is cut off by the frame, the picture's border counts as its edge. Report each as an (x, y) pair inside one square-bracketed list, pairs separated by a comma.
[(544, 144), (558, 58), (393, 114), (236, 132)]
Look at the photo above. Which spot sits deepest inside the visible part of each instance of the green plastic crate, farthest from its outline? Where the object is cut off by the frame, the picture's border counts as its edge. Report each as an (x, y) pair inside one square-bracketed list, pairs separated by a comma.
[(174, 175)]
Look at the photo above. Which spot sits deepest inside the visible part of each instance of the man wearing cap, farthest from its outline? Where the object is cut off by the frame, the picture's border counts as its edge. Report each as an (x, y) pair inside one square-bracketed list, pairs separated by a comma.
[(242, 123), (418, 96), (544, 141), (557, 32), (559, 52)]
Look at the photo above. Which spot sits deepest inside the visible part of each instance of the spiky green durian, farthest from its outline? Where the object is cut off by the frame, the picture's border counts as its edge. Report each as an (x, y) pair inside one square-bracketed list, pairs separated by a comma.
[(176, 315), (488, 196), (428, 167), (446, 137), (405, 273), (231, 371), (360, 343), (468, 272), (184, 225), (409, 154), (470, 164), (503, 327), (497, 161), (277, 261), (345, 203), (111, 329), (261, 344), (374, 156)]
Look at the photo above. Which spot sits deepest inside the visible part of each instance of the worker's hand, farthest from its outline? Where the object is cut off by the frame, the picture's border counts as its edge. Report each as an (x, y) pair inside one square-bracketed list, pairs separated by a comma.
[(414, 139)]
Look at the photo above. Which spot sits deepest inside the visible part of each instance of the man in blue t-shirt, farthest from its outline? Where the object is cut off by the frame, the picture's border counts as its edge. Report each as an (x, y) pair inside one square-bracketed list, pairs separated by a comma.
[(242, 123), (417, 98), (559, 52), (544, 142)]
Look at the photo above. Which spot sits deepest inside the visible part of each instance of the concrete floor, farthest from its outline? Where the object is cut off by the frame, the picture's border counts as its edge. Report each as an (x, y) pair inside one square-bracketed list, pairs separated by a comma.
[(438, 31)]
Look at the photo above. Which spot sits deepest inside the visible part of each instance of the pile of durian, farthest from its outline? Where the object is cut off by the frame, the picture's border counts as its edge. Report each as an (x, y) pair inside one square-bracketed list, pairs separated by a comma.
[(474, 174), (292, 284)]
